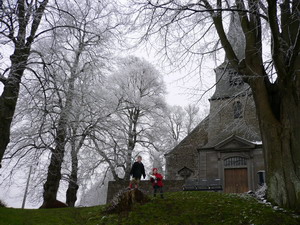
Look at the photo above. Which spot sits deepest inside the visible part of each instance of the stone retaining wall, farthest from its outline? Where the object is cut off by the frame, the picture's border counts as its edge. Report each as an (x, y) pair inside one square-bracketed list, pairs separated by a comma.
[(115, 186)]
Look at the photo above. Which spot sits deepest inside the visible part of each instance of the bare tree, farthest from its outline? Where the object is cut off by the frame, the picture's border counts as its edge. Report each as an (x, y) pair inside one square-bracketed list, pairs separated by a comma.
[(176, 117), (274, 78), (20, 21), (193, 117), (181, 120), (168, 130)]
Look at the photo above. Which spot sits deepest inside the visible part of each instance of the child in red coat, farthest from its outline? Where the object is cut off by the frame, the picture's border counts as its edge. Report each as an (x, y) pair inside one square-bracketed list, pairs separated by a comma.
[(156, 180)]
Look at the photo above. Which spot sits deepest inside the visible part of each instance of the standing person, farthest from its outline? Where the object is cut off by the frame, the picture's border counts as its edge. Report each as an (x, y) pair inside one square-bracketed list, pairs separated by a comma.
[(157, 184), (137, 171)]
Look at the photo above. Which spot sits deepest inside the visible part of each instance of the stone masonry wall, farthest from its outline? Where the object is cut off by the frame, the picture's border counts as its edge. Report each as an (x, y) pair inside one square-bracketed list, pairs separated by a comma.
[(115, 186)]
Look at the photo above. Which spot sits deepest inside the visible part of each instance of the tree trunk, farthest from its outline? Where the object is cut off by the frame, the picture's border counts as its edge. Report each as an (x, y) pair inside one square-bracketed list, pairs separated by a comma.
[(283, 155), (9, 97), (128, 164), (8, 101), (132, 135), (22, 43), (71, 195), (54, 170), (281, 144)]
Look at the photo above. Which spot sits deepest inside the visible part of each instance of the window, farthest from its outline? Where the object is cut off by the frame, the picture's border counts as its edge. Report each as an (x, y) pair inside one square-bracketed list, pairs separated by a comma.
[(235, 79), (235, 162), (185, 172), (237, 110), (261, 177)]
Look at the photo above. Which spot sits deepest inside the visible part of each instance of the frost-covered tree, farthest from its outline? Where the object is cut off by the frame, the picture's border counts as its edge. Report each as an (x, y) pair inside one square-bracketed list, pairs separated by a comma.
[(77, 50), (137, 89), (59, 111)]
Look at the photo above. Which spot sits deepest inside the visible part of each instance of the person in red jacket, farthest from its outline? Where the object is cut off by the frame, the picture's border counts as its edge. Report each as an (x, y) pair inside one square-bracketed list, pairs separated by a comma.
[(156, 180)]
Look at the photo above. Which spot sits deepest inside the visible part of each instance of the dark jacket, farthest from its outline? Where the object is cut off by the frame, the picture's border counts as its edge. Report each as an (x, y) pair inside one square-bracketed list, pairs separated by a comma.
[(158, 181), (138, 170)]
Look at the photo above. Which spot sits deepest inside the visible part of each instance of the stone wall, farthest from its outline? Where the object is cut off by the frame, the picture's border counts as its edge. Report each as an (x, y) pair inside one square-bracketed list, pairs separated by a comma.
[(115, 186)]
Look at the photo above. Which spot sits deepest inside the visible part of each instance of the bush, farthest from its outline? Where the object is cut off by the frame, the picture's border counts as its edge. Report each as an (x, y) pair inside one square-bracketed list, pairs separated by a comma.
[(2, 204)]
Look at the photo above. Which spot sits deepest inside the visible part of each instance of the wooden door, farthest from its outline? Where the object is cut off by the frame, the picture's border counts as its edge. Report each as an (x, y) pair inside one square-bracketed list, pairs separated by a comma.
[(236, 180)]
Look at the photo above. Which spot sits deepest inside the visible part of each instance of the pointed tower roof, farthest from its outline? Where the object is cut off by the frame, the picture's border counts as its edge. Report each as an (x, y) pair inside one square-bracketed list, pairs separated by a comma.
[(236, 36), (228, 82)]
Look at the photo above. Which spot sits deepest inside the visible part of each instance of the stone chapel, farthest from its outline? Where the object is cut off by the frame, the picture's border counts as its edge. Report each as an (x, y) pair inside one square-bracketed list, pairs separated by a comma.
[(226, 146)]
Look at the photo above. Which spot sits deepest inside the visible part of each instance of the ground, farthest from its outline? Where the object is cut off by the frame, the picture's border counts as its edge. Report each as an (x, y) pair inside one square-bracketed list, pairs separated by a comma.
[(177, 208)]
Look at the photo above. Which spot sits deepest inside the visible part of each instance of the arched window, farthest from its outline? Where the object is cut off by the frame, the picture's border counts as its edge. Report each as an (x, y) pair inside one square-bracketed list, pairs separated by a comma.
[(235, 162), (237, 110)]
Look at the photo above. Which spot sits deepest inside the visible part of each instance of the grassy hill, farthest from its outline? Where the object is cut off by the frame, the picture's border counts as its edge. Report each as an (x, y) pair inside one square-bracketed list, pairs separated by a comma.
[(182, 208)]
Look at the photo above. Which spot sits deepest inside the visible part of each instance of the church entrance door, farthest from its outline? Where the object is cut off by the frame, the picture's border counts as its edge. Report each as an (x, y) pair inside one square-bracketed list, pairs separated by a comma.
[(236, 180)]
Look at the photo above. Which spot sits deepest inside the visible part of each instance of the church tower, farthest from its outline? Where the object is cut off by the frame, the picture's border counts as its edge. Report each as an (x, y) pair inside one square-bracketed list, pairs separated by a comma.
[(226, 146), (232, 109)]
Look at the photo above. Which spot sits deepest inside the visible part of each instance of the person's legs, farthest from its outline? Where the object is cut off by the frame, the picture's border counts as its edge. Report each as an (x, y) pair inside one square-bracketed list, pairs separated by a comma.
[(155, 190), (137, 182), (130, 184), (161, 192)]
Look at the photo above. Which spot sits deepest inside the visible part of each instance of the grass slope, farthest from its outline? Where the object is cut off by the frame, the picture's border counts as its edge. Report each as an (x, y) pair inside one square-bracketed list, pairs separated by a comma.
[(182, 208)]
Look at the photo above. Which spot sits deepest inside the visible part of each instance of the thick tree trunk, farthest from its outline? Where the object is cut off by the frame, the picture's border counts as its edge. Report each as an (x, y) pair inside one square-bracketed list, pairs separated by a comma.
[(280, 130), (8, 101), (284, 157), (71, 195), (9, 97), (25, 36), (54, 170), (54, 175)]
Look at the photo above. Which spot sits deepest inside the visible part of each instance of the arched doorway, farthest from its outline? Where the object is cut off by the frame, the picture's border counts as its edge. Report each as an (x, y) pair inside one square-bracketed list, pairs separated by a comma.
[(235, 175)]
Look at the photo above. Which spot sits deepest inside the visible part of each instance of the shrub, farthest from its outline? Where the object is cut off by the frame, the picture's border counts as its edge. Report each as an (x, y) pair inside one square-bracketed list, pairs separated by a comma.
[(2, 204)]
